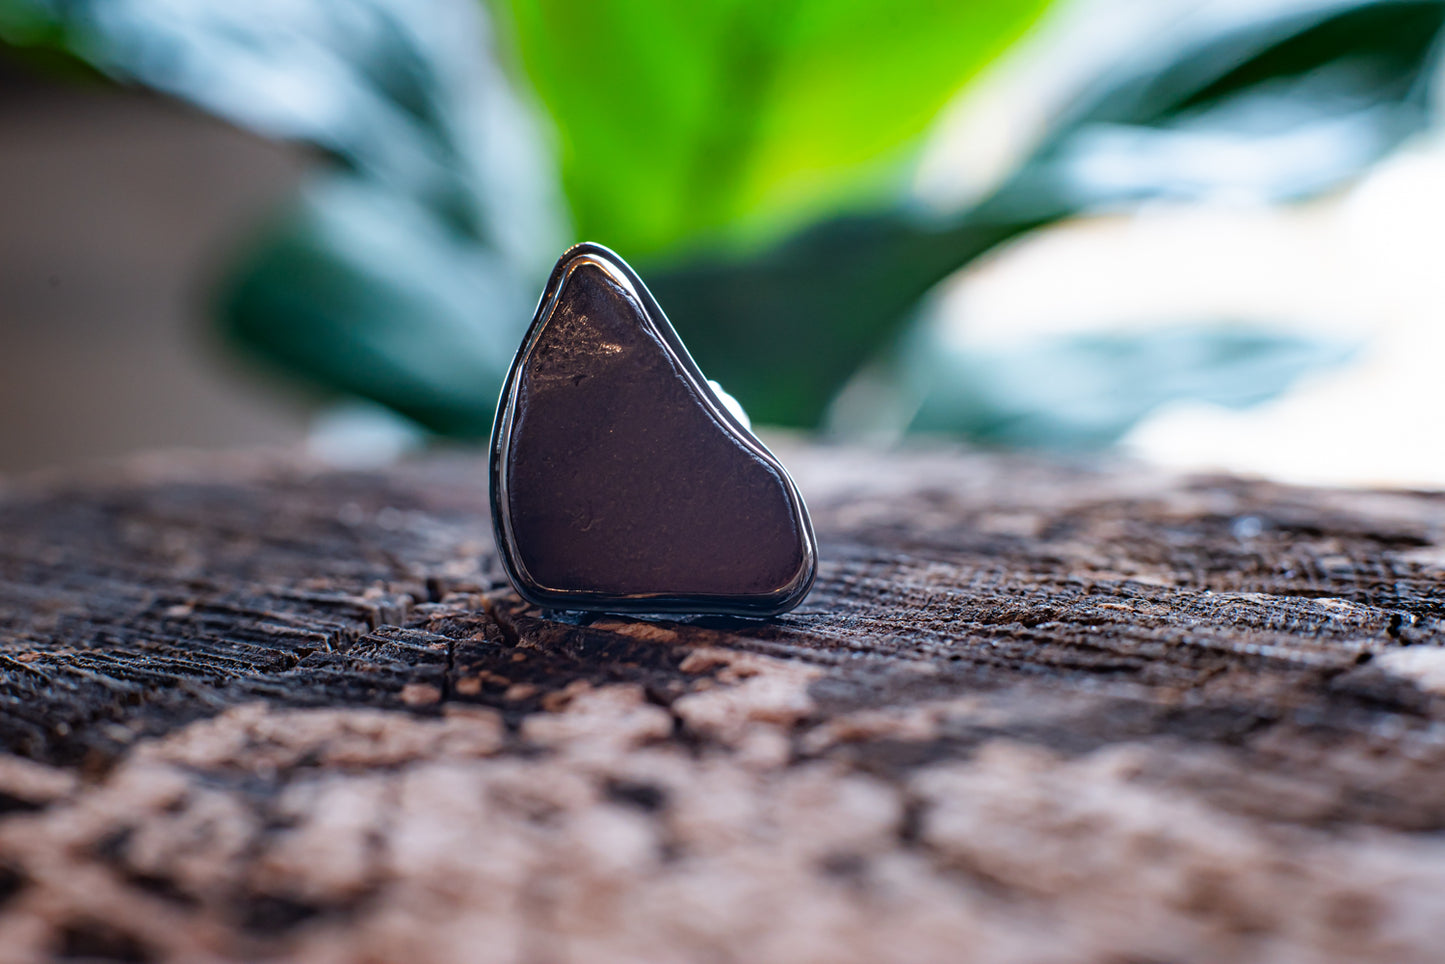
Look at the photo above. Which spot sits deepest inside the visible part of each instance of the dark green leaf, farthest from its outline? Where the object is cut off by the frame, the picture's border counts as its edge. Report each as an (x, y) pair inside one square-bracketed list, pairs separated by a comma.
[(365, 291)]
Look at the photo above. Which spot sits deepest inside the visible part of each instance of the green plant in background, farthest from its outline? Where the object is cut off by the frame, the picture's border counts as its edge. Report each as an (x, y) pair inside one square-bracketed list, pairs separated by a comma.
[(1306, 98), (681, 123), (749, 155), (406, 270)]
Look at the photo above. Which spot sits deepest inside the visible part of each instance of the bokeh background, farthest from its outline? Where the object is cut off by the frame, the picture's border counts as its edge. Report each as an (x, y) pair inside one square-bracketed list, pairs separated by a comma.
[(1204, 232)]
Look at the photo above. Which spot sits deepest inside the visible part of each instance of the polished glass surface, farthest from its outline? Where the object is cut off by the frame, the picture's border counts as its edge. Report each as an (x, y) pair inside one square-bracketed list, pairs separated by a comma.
[(620, 480)]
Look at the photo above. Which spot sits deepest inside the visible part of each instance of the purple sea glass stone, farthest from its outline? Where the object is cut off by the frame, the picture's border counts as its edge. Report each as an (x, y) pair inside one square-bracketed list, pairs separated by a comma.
[(620, 482)]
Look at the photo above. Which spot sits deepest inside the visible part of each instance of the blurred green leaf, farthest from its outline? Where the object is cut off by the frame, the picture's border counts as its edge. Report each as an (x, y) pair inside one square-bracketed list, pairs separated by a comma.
[(403, 92), (1273, 109), (363, 290), (1271, 103), (681, 121), (1086, 390), (407, 270)]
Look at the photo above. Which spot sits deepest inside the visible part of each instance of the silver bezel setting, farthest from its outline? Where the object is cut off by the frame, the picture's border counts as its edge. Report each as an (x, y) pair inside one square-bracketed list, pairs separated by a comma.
[(758, 604)]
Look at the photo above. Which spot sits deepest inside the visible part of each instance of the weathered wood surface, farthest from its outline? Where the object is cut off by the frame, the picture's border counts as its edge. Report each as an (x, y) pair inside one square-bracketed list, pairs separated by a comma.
[(1031, 713)]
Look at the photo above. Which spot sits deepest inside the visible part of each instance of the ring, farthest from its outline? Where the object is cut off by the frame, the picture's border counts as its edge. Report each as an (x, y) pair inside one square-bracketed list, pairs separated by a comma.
[(621, 481)]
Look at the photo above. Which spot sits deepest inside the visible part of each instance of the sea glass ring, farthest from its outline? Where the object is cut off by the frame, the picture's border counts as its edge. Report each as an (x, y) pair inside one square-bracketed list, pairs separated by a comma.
[(620, 480)]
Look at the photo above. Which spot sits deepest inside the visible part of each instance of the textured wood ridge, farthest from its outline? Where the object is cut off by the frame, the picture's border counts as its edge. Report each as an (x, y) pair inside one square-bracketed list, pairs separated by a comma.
[(1030, 713)]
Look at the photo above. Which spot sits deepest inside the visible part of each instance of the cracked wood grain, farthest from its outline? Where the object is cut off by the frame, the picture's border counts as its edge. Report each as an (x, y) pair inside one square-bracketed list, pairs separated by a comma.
[(1031, 712)]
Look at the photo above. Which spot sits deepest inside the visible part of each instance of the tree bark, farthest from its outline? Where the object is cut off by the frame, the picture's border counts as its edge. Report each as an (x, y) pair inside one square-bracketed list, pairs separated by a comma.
[(1031, 712)]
